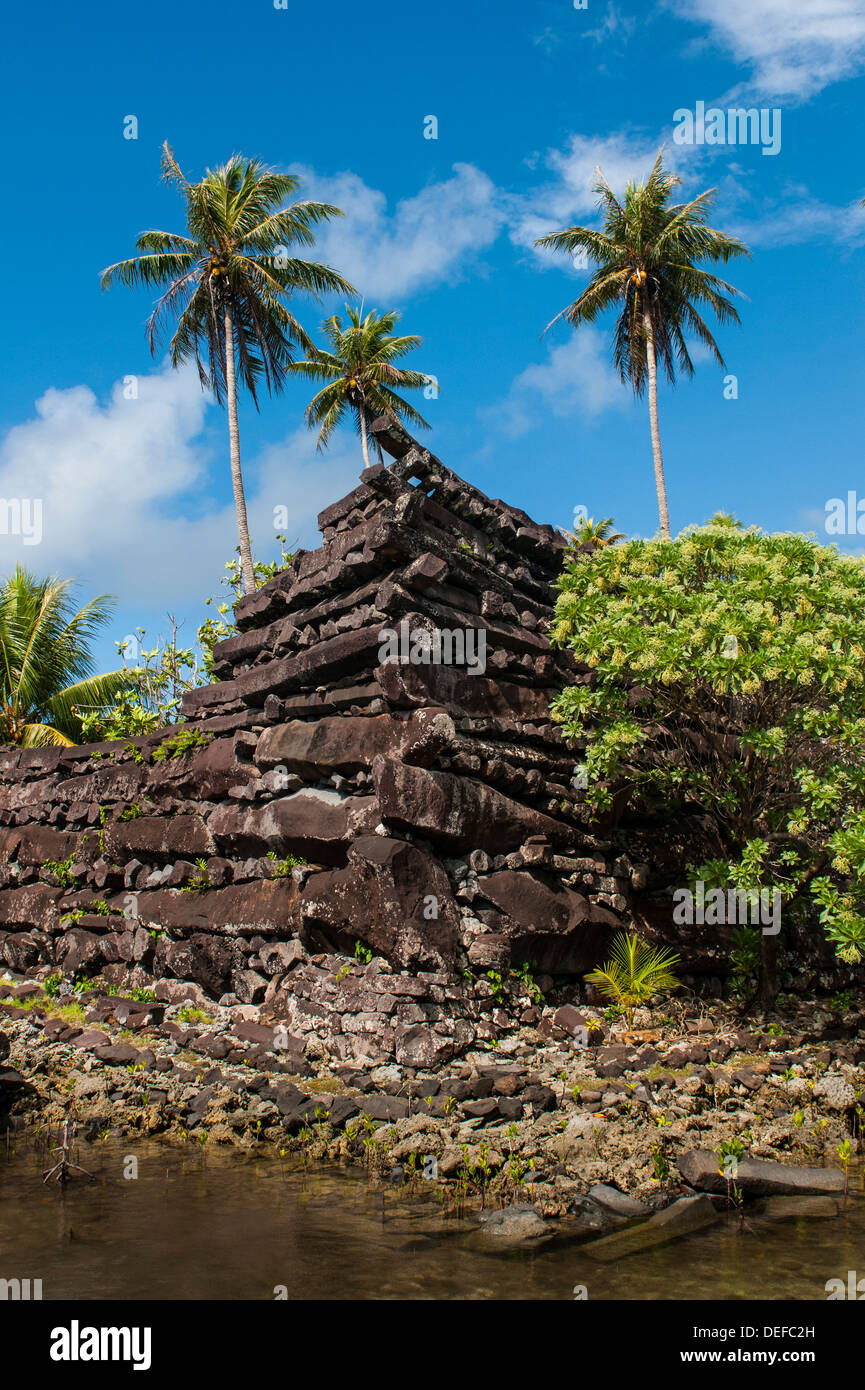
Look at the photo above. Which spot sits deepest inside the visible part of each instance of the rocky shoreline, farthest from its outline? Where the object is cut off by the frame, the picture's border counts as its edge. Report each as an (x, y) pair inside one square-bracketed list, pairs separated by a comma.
[(535, 1122)]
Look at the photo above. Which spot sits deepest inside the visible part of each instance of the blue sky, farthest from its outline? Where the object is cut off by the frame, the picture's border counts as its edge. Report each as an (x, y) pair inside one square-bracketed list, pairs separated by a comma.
[(529, 98)]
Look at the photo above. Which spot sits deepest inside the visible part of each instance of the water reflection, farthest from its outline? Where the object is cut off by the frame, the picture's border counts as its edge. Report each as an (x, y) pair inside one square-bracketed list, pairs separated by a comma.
[(221, 1225)]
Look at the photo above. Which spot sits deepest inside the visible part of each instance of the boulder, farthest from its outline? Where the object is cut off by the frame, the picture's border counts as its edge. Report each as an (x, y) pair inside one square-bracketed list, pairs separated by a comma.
[(508, 1227), (393, 897), (315, 823), (619, 1203), (756, 1178), (458, 812), (549, 924)]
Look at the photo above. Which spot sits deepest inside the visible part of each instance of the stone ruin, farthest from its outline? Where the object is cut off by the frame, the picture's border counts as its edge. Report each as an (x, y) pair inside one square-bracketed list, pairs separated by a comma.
[(321, 793)]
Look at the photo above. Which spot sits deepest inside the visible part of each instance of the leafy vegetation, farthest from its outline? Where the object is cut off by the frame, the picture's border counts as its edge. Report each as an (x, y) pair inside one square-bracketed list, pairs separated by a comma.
[(727, 676), (282, 867), (177, 744), (47, 681)]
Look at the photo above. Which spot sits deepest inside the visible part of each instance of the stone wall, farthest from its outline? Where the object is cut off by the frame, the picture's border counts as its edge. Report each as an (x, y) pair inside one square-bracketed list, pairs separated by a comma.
[(433, 809)]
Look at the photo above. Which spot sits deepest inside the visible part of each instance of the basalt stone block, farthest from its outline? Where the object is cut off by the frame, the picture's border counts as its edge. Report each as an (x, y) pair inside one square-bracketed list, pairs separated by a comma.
[(34, 905), (342, 1109), (392, 896), (272, 1039), (315, 823), (699, 1168), (458, 812), (349, 744), (277, 957), (203, 775), (79, 951), (551, 924), (460, 693), (490, 951), (679, 1219), (383, 1108), (117, 1054), (418, 1046), (269, 906), (202, 959), (158, 835), (249, 986), (21, 951), (339, 656), (39, 844), (569, 1019)]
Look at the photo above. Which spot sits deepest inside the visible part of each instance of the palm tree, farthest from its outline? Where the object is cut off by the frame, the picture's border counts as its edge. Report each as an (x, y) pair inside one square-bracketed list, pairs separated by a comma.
[(226, 285), (647, 259), (596, 533), (46, 668), (634, 973), (361, 373)]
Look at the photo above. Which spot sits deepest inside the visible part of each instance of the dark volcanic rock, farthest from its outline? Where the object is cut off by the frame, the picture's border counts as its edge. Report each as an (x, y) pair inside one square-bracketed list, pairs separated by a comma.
[(317, 823), (325, 793), (393, 897), (699, 1168), (460, 813)]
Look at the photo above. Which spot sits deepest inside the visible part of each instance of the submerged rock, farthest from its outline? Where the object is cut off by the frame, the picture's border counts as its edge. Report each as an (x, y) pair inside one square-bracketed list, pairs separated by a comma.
[(684, 1216), (517, 1225), (784, 1208), (617, 1202)]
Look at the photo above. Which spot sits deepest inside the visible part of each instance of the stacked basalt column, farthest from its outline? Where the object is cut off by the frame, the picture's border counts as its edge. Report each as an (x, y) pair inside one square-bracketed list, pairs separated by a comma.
[(433, 808), (444, 798)]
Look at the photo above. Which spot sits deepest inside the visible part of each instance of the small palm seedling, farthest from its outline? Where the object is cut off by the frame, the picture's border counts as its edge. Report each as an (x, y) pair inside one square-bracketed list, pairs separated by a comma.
[(634, 973)]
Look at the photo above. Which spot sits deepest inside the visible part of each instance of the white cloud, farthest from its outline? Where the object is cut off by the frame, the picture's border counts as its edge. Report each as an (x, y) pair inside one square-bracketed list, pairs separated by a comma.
[(794, 50), (804, 219), (125, 488), (575, 378), (428, 238)]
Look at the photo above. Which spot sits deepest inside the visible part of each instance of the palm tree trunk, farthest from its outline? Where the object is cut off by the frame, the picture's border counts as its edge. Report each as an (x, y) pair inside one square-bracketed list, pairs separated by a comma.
[(362, 414), (660, 485), (246, 569)]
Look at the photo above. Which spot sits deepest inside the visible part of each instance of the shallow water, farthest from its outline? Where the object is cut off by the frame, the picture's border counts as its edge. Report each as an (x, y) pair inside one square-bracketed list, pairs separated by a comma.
[(216, 1225)]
